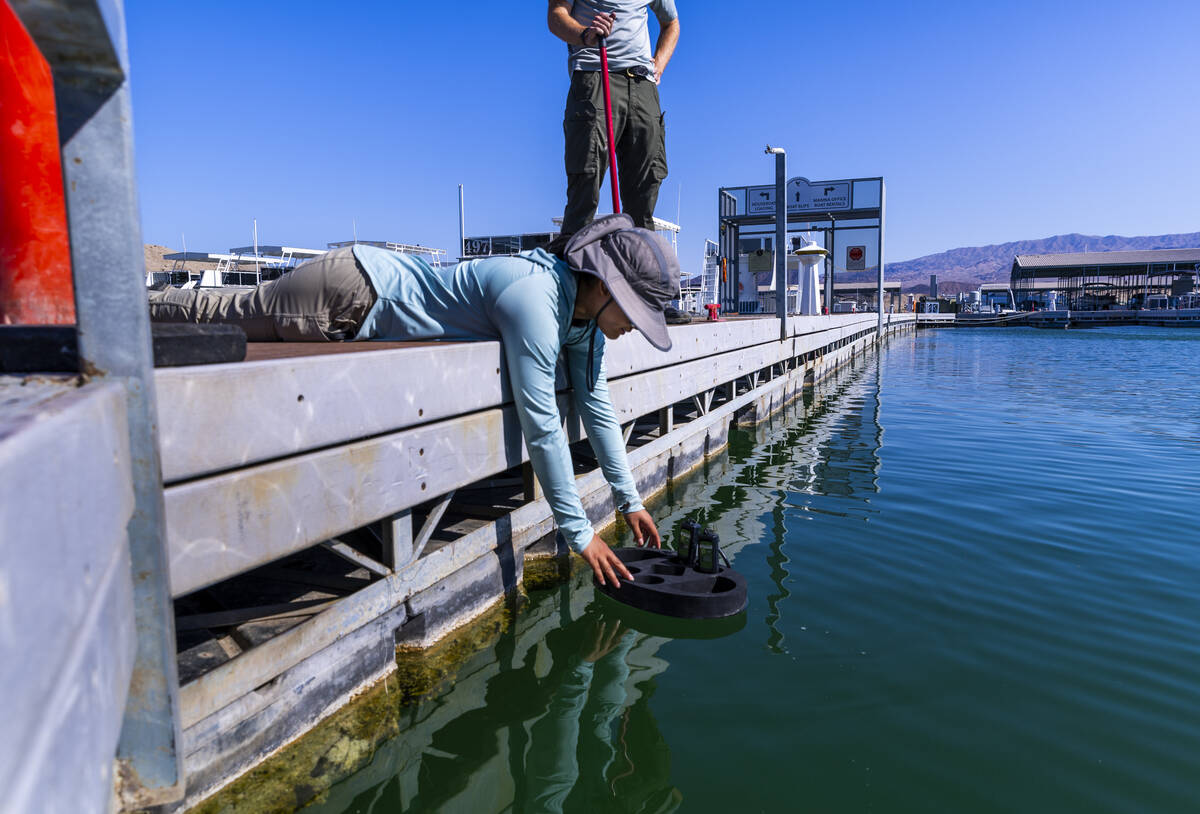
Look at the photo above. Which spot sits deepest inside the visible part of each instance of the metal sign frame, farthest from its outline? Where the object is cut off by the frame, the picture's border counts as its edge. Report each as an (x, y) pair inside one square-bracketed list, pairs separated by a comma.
[(811, 205)]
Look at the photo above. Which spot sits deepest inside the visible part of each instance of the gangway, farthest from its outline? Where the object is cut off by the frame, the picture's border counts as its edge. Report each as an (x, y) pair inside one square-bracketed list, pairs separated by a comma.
[(280, 257), (228, 271)]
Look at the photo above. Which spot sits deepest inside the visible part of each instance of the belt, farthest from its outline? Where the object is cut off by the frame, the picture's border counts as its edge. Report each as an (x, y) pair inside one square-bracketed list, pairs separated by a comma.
[(631, 73)]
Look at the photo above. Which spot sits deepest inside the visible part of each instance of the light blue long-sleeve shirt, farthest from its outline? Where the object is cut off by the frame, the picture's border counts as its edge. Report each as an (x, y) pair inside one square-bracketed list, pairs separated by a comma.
[(527, 302)]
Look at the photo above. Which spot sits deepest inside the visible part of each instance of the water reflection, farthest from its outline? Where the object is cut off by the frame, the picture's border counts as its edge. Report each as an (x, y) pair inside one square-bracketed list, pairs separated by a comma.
[(995, 613), (555, 719), (557, 715)]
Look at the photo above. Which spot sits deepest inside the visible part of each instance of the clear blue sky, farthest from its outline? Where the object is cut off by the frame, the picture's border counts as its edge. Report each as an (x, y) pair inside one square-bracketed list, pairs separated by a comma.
[(990, 122)]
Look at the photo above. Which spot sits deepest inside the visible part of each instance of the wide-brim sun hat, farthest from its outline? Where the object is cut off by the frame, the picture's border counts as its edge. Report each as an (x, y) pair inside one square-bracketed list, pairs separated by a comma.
[(636, 265)]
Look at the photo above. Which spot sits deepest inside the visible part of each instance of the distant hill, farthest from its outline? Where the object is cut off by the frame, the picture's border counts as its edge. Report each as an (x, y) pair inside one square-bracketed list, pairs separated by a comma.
[(989, 264), (155, 262), (957, 270)]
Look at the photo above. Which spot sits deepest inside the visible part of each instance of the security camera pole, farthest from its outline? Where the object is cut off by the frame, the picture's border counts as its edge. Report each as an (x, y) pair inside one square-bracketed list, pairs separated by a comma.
[(780, 237)]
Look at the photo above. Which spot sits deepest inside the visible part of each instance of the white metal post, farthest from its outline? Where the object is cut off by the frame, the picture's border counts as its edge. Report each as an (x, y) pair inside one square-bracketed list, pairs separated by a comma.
[(882, 214), (780, 237), (462, 224)]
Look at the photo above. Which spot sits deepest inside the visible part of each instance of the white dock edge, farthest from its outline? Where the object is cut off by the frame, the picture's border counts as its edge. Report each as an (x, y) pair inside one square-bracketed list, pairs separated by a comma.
[(67, 634)]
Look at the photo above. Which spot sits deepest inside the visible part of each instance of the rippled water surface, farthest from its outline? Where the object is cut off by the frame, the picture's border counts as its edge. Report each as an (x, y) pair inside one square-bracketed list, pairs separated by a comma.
[(974, 572)]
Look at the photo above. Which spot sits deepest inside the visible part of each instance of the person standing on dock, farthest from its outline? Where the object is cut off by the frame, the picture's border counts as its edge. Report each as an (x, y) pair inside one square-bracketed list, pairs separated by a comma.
[(611, 278), (638, 127)]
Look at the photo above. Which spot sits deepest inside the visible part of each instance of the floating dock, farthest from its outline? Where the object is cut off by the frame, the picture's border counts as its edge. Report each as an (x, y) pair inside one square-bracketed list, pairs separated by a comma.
[(1162, 317), (1064, 318), (386, 485)]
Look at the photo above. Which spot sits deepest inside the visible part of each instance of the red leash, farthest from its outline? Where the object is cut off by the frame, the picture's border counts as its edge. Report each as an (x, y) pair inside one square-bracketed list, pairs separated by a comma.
[(612, 148)]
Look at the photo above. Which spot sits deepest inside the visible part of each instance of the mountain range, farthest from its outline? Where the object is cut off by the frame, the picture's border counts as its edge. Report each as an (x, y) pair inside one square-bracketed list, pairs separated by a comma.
[(973, 265)]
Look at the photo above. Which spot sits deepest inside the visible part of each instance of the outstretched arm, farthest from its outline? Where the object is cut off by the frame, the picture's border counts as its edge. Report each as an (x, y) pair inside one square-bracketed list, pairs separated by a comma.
[(604, 433), (529, 334)]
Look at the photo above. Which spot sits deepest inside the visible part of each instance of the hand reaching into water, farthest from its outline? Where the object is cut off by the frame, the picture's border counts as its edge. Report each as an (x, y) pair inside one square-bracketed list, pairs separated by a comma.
[(645, 533), (605, 563)]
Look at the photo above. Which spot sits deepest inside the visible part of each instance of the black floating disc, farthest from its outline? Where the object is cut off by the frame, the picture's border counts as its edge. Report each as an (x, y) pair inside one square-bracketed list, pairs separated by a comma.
[(662, 583), (670, 627)]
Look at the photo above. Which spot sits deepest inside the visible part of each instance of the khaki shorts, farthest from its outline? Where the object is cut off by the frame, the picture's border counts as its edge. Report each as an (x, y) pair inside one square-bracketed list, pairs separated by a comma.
[(322, 300)]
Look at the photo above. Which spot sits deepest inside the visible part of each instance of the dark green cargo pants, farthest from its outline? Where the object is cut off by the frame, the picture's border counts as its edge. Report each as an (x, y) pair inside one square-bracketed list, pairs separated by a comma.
[(641, 149)]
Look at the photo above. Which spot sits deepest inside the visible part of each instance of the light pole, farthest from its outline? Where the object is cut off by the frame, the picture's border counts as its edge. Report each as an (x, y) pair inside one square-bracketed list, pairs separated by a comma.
[(780, 237)]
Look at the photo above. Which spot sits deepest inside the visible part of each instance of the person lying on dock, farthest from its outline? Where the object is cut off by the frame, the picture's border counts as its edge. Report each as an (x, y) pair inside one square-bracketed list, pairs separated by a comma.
[(612, 277)]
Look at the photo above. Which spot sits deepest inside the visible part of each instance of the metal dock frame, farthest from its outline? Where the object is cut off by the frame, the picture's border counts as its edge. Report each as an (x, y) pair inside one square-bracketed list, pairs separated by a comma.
[(84, 43)]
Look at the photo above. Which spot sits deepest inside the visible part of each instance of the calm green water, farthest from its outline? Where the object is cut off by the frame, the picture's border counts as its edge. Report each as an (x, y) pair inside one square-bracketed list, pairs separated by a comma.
[(975, 586)]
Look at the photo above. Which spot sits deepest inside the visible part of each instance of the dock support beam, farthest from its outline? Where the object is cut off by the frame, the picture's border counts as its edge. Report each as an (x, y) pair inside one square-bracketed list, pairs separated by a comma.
[(529, 483), (400, 547), (397, 539), (780, 239)]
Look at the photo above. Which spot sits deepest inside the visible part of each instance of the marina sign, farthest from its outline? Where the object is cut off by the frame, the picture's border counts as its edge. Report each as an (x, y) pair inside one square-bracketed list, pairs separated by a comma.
[(505, 244), (802, 196)]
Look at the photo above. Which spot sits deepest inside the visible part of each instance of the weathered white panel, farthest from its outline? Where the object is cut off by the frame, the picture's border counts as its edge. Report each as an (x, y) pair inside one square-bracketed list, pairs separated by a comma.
[(218, 417), (66, 619), (525, 525), (228, 524), (233, 693)]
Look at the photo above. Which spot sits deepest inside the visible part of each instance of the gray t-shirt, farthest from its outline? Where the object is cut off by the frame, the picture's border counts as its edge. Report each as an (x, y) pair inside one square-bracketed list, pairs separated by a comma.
[(629, 43)]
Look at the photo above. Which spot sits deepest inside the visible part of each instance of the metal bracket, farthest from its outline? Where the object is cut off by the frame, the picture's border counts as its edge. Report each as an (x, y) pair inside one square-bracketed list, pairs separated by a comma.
[(355, 556), (400, 547), (429, 526)]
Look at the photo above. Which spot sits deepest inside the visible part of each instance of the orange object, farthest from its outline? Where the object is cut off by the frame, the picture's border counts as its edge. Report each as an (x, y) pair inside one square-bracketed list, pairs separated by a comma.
[(35, 251)]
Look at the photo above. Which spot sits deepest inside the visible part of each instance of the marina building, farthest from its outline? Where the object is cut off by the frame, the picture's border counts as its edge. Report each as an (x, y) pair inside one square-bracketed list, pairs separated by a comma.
[(489, 245), (1101, 281)]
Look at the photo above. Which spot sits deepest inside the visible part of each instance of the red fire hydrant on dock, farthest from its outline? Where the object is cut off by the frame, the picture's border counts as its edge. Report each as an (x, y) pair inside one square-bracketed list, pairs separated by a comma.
[(713, 310)]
